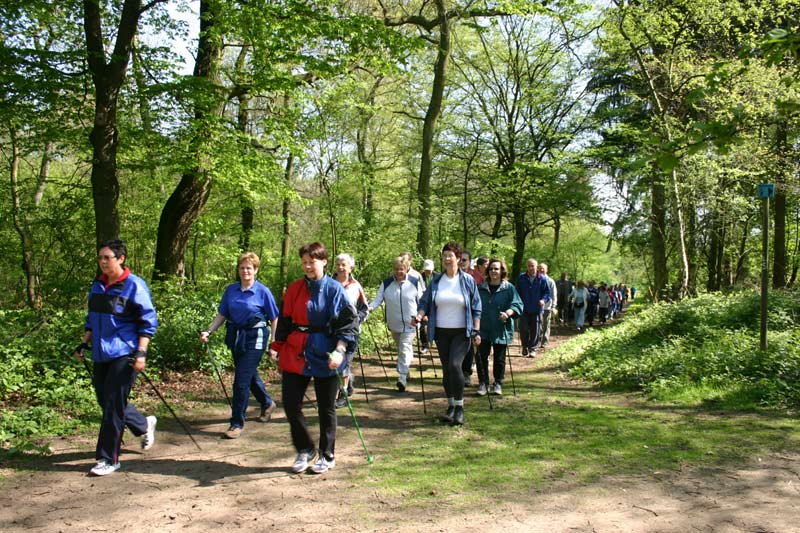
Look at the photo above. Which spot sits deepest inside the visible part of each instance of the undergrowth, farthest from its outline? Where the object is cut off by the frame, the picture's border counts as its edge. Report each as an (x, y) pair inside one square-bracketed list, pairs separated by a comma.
[(699, 350)]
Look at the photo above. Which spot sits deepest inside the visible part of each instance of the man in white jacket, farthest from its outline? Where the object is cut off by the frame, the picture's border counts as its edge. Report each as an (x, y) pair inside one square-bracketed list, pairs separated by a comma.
[(401, 293)]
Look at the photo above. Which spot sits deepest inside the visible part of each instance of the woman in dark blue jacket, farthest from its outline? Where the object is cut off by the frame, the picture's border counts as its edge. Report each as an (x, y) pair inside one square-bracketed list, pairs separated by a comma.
[(453, 308), (249, 312), (119, 325), (500, 303), (317, 321)]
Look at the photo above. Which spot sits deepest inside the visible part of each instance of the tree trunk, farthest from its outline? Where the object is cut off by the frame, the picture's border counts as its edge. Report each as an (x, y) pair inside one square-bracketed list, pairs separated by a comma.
[(520, 234), (429, 129), (779, 213), (658, 234), (25, 237), (286, 224), (187, 201), (107, 79)]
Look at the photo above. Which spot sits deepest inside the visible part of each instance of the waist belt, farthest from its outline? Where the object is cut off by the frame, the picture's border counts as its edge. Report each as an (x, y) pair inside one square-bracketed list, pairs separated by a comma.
[(309, 329)]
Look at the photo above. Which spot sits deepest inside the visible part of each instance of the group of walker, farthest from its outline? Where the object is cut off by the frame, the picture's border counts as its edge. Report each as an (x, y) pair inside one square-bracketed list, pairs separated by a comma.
[(313, 335)]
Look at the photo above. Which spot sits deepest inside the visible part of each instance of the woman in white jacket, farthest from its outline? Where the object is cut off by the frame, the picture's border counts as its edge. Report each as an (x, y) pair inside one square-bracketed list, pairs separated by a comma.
[(401, 293), (580, 299)]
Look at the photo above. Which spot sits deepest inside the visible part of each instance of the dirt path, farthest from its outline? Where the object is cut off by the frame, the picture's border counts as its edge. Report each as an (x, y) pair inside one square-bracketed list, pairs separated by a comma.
[(245, 484)]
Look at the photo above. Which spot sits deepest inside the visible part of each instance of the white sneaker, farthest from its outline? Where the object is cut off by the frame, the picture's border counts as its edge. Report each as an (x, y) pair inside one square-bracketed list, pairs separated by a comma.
[(497, 389), (301, 463), (323, 465), (104, 468), (482, 389), (149, 437)]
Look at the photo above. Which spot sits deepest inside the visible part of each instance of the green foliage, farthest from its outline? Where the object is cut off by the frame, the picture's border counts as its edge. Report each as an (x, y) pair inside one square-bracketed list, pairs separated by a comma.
[(705, 348)]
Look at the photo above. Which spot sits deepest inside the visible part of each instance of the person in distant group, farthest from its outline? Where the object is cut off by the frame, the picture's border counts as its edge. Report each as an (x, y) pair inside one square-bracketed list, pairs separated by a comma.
[(428, 271), (453, 308), (481, 264), (401, 293), (316, 323), (499, 304), (120, 322), (249, 312), (579, 298), (591, 307), (411, 270), (550, 307), (563, 288), (344, 274), (603, 301), (535, 293), (465, 264)]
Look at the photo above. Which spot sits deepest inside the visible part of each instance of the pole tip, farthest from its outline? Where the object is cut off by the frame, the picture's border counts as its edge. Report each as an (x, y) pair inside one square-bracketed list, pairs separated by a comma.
[(370, 459)]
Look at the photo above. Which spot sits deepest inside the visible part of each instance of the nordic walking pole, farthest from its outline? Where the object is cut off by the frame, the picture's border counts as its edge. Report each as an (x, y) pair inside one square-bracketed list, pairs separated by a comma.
[(152, 385), (363, 375), (425, 319), (511, 368), (421, 376), (378, 351), (353, 414), (216, 369)]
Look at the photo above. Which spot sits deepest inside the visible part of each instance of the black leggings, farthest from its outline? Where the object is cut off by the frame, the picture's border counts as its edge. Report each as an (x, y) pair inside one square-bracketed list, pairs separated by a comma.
[(294, 388), (453, 345)]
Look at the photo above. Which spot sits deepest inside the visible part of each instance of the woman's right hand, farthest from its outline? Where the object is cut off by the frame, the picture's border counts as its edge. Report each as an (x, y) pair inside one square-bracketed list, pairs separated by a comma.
[(204, 336)]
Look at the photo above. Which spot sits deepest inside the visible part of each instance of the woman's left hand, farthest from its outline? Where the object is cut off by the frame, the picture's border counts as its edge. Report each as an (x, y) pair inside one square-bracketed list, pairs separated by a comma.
[(477, 339), (335, 359)]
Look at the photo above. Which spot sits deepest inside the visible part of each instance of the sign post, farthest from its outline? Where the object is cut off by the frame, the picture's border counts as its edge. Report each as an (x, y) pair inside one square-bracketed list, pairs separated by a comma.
[(765, 192)]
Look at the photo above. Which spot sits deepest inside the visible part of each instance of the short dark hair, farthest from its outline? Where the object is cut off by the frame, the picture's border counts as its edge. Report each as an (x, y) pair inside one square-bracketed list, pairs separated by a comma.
[(115, 245), (482, 260), (315, 250), (453, 247), (503, 267)]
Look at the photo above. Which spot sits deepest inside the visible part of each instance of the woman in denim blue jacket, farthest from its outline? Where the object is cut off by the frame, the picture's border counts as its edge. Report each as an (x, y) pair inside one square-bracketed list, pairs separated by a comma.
[(452, 306)]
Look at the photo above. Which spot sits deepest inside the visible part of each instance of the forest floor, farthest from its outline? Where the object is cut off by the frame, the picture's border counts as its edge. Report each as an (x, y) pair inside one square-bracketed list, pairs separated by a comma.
[(245, 484)]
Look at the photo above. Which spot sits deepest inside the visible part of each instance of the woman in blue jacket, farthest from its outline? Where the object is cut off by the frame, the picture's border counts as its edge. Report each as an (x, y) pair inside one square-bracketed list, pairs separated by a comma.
[(119, 325), (500, 303), (453, 308), (250, 314)]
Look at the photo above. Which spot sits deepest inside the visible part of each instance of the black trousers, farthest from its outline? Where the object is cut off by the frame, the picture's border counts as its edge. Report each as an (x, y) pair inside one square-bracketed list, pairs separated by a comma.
[(293, 389), (498, 366), (453, 345)]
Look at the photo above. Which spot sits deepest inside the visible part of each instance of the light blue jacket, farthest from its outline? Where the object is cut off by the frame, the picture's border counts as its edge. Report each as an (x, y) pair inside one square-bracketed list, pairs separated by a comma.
[(470, 291)]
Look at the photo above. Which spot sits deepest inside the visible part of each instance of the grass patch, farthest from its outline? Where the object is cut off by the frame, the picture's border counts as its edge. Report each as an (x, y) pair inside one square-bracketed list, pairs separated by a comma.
[(550, 436)]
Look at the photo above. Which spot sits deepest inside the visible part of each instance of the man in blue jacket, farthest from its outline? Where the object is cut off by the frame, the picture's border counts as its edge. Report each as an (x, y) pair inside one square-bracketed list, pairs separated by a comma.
[(120, 323), (532, 288)]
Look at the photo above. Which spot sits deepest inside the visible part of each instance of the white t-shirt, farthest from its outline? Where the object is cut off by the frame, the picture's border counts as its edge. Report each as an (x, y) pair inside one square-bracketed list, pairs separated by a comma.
[(450, 304)]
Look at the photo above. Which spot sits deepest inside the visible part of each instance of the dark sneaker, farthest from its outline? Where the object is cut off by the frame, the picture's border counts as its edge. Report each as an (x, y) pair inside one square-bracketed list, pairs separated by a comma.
[(458, 416), (447, 418), (341, 401), (401, 386)]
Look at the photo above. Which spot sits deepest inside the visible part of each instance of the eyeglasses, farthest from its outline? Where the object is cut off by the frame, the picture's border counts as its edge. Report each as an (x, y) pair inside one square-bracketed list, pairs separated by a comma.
[(464, 259), (106, 257), (496, 268)]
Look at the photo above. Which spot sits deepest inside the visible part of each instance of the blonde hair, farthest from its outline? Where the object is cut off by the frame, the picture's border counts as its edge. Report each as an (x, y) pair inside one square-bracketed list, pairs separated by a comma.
[(401, 260), (249, 257)]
